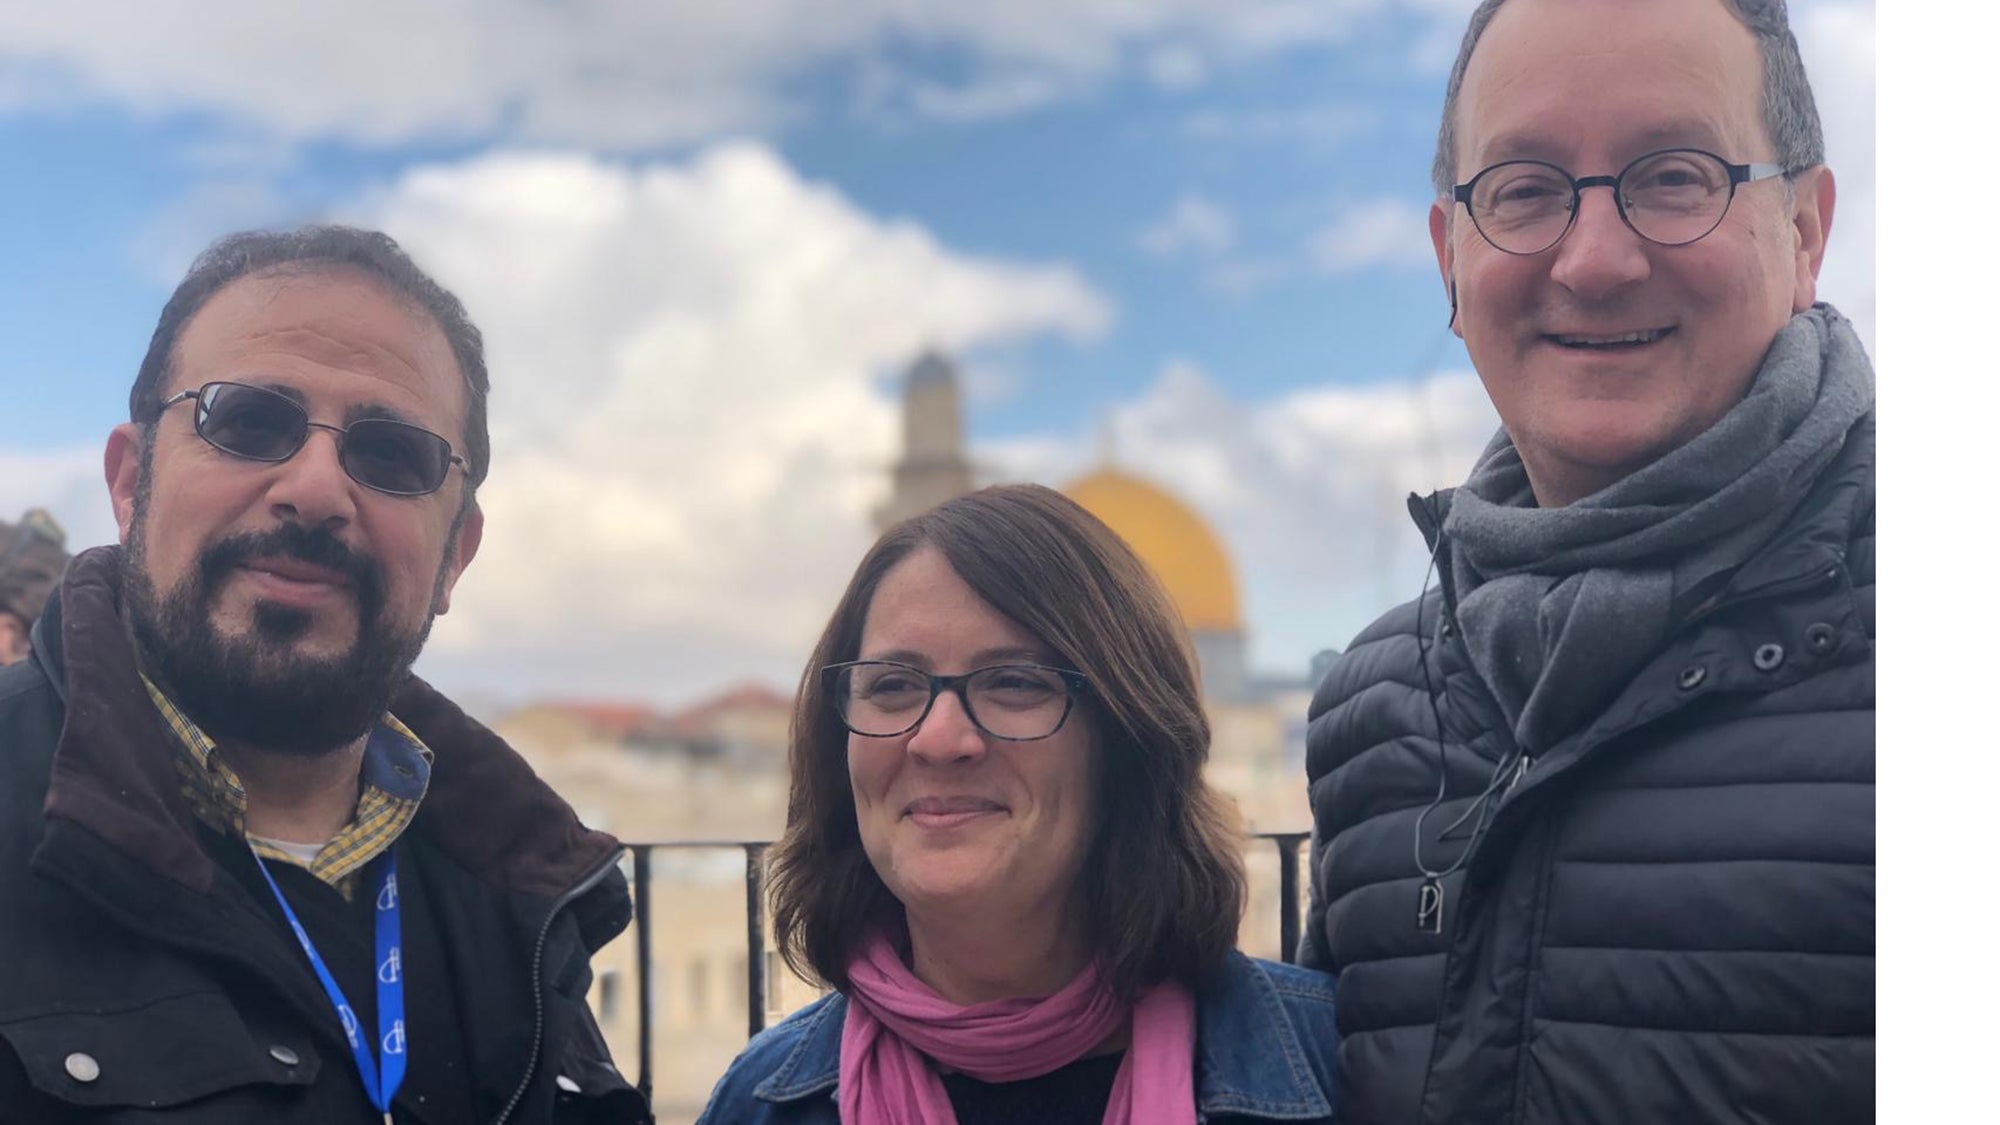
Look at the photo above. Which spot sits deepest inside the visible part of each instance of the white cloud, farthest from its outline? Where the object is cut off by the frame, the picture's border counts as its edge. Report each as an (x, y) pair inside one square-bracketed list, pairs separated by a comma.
[(616, 73), (691, 411), (1177, 68), (1192, 225), (1386, 233), (67, 482), (1306, 490)]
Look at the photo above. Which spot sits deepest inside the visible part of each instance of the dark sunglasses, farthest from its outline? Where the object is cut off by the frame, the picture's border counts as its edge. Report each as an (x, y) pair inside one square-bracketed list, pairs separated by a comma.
[(259, 424)]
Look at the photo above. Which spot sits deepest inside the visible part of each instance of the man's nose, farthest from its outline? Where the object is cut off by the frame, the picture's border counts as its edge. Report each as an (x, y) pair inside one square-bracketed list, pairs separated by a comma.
[(948, 733), (1601, 254), (311, 488)]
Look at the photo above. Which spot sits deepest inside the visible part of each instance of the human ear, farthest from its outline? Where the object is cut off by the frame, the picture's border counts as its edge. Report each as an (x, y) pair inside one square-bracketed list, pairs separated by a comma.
[(1441, 245), (471, 530), (124, 463), (1812, 219)]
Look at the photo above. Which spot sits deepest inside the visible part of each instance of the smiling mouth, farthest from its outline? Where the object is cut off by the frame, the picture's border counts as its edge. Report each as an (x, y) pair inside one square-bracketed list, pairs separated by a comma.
[(290, 570), (296, 584), (950, 812), (1615, 341)]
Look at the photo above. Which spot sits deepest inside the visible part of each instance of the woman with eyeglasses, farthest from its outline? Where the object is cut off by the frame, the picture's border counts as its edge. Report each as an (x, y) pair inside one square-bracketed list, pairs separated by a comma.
[(1003, 858)]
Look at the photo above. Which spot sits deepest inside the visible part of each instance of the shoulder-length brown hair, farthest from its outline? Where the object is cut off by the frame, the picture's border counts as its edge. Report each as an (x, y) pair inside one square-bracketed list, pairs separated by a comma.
[(1163, 883)]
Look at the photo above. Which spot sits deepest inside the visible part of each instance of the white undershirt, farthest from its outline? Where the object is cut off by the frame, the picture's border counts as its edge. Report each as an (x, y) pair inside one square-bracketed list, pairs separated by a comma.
[(303, 854)]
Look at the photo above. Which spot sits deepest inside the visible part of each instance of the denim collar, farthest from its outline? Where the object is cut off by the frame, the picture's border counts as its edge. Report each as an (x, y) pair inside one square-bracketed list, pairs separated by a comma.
[(1250, 1061)]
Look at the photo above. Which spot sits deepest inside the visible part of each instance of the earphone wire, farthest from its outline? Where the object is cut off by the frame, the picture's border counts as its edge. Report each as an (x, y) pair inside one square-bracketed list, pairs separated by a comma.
[(1483, 804)]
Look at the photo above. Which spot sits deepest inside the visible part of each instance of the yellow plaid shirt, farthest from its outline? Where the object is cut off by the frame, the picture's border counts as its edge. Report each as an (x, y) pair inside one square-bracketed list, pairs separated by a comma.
[(395, 771)]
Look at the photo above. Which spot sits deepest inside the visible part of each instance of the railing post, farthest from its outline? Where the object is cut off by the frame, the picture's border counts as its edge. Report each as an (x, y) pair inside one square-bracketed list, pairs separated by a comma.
[(642, 919), (1288, 895), (753, 886)]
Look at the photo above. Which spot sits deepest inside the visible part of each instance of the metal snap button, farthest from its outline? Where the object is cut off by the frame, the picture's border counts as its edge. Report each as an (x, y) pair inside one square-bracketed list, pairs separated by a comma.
[(1692, 676), (567, 1084), (1819, 639), (81, 1067), (284, 1054), (1768, 656)]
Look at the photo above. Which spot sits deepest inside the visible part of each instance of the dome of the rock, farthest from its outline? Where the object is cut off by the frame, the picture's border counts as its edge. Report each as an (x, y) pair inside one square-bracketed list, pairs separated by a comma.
[(1175, 542)]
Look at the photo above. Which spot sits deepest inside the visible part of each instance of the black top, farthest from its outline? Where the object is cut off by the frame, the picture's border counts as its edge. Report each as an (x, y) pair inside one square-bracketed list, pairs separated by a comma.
[(1072, 1095), (436, 1087)]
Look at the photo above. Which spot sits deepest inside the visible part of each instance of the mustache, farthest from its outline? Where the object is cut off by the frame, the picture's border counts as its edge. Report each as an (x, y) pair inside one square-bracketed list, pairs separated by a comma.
[(318, 547)]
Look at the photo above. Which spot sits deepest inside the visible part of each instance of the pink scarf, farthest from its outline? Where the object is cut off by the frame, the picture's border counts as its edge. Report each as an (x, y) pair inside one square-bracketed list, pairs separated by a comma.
[(896, 1024)]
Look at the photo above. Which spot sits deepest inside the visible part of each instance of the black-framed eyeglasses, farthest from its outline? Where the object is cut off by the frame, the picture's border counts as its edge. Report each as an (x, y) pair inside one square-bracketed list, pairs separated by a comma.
[(1011, 702), (259, 424), (1672, 197)]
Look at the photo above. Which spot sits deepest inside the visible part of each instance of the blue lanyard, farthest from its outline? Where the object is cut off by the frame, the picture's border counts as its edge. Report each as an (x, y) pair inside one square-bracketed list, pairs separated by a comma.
[(381, 1085)]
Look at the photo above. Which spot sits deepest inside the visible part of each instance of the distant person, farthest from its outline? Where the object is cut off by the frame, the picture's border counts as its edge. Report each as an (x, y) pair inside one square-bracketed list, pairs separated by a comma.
[(251, 869), (1003, 855), (31, 559), (1595, 821)]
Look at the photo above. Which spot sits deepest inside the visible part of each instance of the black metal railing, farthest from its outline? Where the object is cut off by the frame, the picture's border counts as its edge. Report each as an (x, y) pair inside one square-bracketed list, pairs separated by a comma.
[(755, 933)]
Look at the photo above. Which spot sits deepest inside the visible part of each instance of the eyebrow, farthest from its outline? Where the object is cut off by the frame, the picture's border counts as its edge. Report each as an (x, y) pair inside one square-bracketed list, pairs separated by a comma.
[(984, 658), (355, 413), (1540, 146), (365, 410)]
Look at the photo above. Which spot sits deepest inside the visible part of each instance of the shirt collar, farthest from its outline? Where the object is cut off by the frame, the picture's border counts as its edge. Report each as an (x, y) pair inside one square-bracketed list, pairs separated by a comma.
[(395, 774)]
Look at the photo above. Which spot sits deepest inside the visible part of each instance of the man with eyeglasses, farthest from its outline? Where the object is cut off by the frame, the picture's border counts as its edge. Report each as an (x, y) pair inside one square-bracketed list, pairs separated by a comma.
[(1594, 818), (252, 869)]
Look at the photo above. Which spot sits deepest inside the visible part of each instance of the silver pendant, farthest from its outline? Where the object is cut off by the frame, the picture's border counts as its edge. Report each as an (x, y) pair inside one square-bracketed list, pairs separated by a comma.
[(1430, 907)]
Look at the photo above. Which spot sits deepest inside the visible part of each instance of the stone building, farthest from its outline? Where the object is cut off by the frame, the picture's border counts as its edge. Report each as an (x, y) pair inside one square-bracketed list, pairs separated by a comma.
[(933, 467)]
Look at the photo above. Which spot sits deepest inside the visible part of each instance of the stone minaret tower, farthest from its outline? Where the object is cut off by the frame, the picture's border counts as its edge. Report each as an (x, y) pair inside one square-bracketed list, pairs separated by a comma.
[(933, 468)]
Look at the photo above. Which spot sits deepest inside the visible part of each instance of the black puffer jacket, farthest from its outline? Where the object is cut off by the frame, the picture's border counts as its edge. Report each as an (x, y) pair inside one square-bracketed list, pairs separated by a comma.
[(1671, 915)]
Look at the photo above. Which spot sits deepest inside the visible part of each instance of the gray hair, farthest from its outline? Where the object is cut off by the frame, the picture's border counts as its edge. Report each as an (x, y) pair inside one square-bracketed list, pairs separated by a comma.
[(1790, 115)]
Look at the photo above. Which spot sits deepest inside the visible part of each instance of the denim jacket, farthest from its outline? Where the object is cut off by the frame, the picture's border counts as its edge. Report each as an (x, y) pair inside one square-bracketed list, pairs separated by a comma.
[(1264, 1051)]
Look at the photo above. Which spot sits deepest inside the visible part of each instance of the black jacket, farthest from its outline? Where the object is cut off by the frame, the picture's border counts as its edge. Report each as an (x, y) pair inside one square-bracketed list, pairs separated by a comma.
[(1671, 915), (141, 983)]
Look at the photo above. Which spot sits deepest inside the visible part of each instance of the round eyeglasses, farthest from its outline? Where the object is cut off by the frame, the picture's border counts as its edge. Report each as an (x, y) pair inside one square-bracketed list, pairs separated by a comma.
[(259, 424), (1672, 197), (1011, 702)]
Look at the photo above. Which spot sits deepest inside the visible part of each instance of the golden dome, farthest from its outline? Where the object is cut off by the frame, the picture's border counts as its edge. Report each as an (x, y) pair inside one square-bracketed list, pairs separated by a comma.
[(1171, 539)]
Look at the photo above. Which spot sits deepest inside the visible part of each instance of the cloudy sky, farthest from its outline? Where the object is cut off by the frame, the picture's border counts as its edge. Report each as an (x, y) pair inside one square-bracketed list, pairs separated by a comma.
[(704, 239)]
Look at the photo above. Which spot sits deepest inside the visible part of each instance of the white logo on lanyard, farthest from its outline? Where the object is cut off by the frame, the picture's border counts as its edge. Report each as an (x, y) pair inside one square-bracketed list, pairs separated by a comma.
[(392, 1043), (386, 900)]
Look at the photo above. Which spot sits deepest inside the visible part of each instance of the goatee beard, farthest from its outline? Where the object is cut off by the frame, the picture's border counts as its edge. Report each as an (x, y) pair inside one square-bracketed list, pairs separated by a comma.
[(257, 688)]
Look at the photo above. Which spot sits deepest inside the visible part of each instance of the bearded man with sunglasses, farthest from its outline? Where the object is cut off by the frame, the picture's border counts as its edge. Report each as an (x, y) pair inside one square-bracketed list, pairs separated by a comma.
[(251, 869), (1594, 820)]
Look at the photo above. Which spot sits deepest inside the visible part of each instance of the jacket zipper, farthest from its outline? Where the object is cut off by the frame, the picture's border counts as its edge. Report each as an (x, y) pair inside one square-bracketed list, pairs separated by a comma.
[(541, 942)]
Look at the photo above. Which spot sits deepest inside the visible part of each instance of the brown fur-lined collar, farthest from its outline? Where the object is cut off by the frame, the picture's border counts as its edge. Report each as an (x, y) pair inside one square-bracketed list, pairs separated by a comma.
[(113, 771)]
